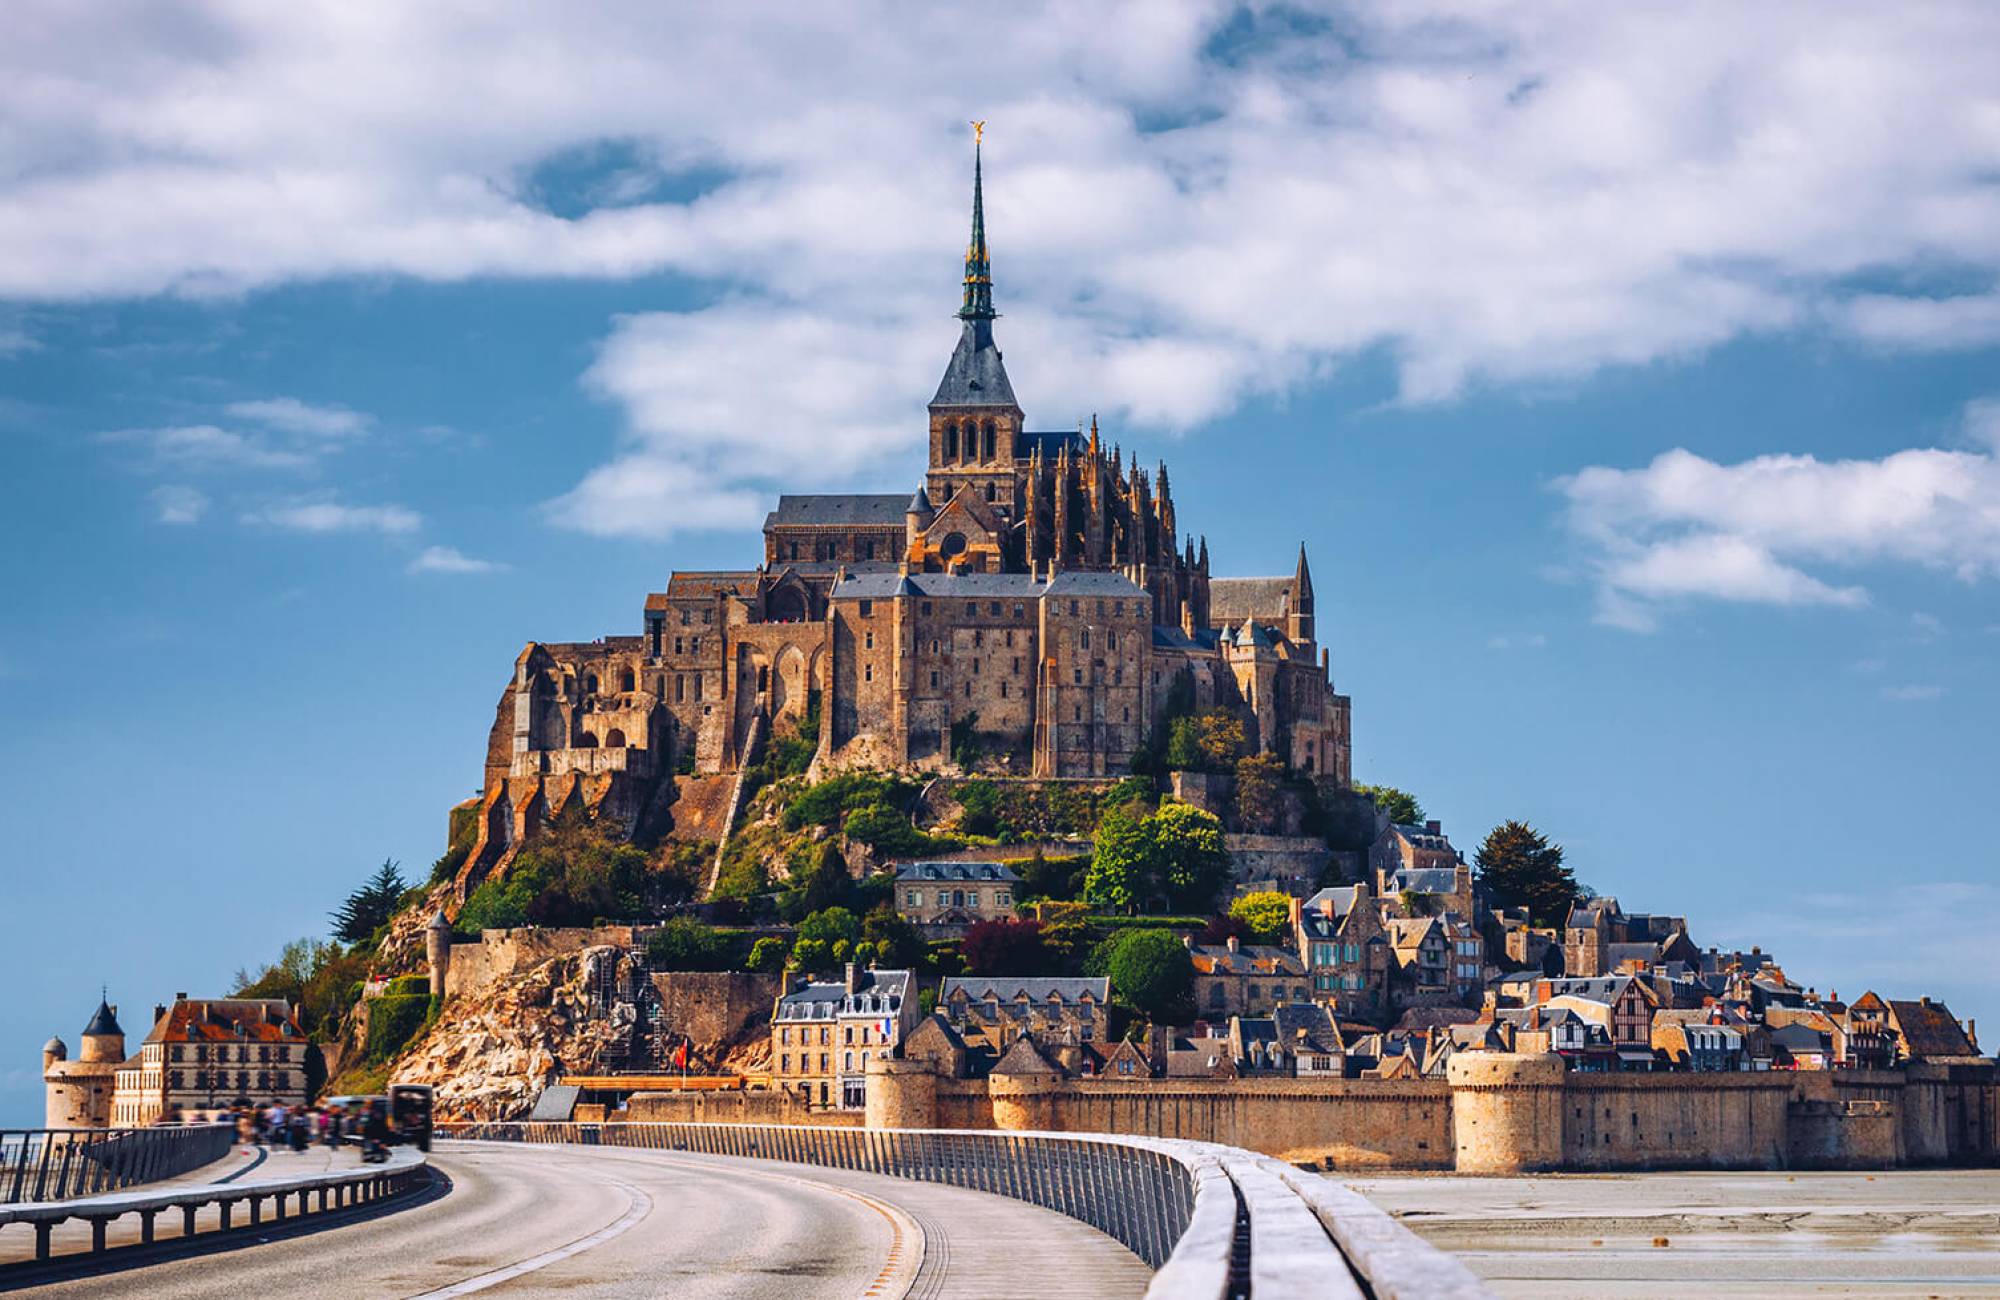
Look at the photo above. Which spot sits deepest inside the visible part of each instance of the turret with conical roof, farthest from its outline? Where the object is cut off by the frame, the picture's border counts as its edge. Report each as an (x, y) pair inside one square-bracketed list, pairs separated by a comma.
[(103, 1039)]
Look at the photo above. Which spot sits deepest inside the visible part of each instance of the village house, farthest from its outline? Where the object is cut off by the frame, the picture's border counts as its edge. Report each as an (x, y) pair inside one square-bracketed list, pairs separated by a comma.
[(1346, 951), (823, 1033), (1234, 979), (205, 1054), (1298, 1040), (944, 899), (991, 1012)]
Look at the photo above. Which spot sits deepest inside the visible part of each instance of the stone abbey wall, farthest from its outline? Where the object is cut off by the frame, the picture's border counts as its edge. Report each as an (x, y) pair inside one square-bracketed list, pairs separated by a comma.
[(498, 954)]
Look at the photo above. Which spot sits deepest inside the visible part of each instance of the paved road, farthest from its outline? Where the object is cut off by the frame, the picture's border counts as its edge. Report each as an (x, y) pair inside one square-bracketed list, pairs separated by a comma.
[(602, 1222), (1905, 1232)]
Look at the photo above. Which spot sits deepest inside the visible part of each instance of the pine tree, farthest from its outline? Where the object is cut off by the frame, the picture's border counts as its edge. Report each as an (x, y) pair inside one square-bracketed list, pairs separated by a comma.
[(368, 907), (1522, 868)]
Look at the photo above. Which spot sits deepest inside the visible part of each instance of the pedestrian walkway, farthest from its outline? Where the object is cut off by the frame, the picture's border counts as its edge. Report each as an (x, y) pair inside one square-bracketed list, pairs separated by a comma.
[(244, 1166)]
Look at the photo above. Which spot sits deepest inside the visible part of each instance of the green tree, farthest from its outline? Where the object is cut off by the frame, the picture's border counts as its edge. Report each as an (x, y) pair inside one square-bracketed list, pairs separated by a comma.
[(1260, 793), (811, 955), (822, 885), (1152, 971), (767, 955), (368, 908), (1120, 862), (1402, 806), (830, 926), (898, 946), (1205, 742), (1521, 868), (1187, 855), (1267, 912)]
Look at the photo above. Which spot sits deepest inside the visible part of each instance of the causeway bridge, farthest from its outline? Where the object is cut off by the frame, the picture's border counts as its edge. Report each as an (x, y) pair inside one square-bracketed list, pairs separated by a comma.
[(637, 1209)]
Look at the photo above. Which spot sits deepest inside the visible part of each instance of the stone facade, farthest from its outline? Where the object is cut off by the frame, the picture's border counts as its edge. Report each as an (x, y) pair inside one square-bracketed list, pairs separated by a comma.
[(1035, 595), (204, 1055)]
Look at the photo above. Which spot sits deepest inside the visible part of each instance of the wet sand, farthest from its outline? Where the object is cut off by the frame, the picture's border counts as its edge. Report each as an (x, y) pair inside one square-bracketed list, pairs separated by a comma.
[(1894, 1233)]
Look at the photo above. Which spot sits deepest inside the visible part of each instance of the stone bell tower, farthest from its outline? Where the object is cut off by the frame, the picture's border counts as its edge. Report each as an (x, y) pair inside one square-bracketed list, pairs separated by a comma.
[(975, 421)]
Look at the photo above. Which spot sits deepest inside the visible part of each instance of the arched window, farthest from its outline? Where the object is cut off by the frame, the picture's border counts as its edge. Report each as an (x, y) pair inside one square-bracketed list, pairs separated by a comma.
[(590, 684), (627, 680), (614, 739), (988, 449), (950, 441), (586, 741), (992, 492), (763, 678)]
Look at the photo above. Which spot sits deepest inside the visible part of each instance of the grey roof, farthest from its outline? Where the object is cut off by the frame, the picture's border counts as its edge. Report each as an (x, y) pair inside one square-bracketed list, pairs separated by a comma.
[(1023, 586), (1232, 600), (1049, 441), (920, 504), (975, 375), (1167, 637), (801, 1003), (975, 871), (1315, 1022), (55, 1045), (869, 508), (1426, 880), (1263, 960), (1598, 988), (1069, 988), (104, 1022), (1798, 1038)]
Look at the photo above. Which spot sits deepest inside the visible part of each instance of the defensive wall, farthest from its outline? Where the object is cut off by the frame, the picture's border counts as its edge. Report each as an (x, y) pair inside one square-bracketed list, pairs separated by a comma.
[(499, 954), (1495, 1113)]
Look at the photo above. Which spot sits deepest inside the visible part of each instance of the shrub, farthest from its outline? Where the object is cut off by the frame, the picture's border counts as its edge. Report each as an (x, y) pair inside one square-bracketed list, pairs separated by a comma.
[(686, 944), (829, 802), (1267, 912), (886, 830), (767, 954), (392, 1022)]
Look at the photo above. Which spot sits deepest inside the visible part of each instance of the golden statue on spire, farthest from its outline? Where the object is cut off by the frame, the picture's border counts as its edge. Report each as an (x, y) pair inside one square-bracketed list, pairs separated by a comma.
[(978, 131)]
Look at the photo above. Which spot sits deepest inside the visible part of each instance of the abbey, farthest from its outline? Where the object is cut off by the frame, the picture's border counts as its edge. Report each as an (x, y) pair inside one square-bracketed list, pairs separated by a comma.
[(1033, 598)]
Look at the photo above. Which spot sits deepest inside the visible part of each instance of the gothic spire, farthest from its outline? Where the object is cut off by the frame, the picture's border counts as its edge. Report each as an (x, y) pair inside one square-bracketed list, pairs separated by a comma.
[(978, 264), (1302, 584)]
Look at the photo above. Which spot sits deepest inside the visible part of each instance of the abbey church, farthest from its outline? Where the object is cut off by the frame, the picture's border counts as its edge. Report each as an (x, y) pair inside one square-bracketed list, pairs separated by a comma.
[(1034, 595)]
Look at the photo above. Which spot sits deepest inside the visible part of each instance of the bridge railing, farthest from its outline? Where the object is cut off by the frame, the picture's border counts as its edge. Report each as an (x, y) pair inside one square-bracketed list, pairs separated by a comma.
[(1211, 1221), (55, 1164)]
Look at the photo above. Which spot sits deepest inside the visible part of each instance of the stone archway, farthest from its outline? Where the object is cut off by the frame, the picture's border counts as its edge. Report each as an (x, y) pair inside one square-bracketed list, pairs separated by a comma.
[(790, 681)]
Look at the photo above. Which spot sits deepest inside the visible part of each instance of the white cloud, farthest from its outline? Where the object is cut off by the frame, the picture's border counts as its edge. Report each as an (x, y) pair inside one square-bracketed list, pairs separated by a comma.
[(1912, 694), (333, 517), (209, 447), (179, 504), (1190, 202), (449, 559), (290, 415), (1685, 527)]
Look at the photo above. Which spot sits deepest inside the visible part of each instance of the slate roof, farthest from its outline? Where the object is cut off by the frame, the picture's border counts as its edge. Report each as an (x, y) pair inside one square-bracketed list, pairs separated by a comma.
[(956, 871), (1070, 988), (975, 375), (1929, 1030), (1166, 637), (1307, 1027), (1050, 441), (105, 1021), (1232, 600), (847, 508)]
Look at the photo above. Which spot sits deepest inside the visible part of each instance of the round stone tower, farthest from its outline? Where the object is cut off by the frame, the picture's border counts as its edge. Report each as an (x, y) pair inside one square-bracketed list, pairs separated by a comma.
[(1506, 1111), (901, 1093), (1024, 1102), (77, 1094), (437, 947)]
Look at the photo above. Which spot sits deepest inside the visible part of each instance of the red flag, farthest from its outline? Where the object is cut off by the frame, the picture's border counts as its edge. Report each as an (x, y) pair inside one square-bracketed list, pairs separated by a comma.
[(681, 1055)]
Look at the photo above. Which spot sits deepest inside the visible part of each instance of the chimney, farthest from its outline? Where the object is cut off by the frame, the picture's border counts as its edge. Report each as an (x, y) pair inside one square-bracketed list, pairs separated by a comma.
[(180, 997), (1925, 1001), (1972, 1032), (853, 977), (1232, 943), (1435, 828), (1297, 909), (159, 1012)]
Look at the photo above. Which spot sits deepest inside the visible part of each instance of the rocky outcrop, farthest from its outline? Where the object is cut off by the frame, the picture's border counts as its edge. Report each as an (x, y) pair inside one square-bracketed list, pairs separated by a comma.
[(490, 1054)]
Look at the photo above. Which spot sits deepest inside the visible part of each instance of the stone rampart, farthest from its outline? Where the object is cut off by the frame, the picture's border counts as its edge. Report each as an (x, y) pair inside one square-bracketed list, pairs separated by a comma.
[(1495, 1114), (716, 1007), (498, 954)]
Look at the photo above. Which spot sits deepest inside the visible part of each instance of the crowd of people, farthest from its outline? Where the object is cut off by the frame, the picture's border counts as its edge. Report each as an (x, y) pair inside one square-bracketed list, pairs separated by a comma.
[(332, 1124)]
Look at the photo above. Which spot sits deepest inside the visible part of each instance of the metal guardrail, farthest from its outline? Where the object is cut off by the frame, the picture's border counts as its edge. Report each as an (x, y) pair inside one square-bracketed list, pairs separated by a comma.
[(1211, 1221), (53, 1164), (405, 1171)]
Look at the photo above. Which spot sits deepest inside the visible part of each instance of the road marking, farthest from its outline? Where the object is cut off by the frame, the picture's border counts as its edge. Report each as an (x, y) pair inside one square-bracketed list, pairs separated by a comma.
[(642, 1205), (885, 1286)]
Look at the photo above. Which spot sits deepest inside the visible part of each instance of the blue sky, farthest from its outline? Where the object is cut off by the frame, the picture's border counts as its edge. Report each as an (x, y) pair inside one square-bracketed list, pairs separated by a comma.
[(1633, 390)]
